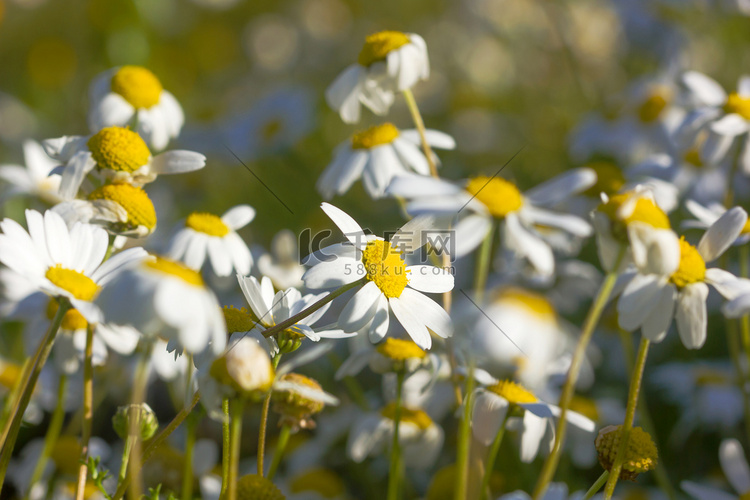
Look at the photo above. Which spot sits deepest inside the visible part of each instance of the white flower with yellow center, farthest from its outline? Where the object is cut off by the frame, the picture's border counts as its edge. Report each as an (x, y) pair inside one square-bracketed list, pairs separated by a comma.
[(390, 355), (119, 155), (391, 285), (736, 469), (206, 234), (62, 262), (282, 265), (389, 62), (486, 199), (133, 95), (163, 298), (377, 155), (492, 404), (34, 178), (675, 285)]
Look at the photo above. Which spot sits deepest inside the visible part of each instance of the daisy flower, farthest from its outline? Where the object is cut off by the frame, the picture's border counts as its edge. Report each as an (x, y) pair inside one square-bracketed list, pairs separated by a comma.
[(62, 262), (119, 155), (675, 284), (282, 265), (134, 95), (492, 403), (34, 178), (389, 62), (377, 155), (163, 298), (391, 355), (206, 234), (391, 285), (735, 467), (487, 199)]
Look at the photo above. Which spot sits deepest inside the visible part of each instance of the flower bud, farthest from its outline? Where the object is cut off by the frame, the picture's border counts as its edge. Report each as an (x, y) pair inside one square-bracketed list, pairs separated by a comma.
[(640, 454), (146, 422), (255, 487), (293, 406), (245, 367)]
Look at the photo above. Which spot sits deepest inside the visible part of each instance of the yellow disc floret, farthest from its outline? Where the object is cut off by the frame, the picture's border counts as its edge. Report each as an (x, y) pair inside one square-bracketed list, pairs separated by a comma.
[(400, 350), (119, 149), (644, 210), (385, 267), (535, 303), (77, 284), (133, 200), (692, 268), (72, 320), (294, 407), (738, 104), (651, 108), (137, 85), (324, 482), (238, 320), (498, 195), (379, 45), (640, 454), (207, 223), (512, 392), (408, 415), (177, 269), (609, 179), (374, 136), (254, 487)]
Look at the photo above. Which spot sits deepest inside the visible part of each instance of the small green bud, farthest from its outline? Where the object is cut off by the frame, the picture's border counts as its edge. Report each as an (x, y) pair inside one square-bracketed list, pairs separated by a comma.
[(147, 424)]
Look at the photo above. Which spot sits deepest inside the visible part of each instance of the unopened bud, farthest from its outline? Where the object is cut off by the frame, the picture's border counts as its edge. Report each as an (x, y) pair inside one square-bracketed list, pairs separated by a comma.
[(245, 367), (293, 405), (141, 416), (640, 454), (255, 487)]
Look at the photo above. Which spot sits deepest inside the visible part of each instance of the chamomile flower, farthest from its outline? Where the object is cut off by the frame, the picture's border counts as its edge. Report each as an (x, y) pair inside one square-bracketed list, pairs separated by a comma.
[(492, 404), (391, 285), (208, 235), (675, 285), (489, 199), (282, 265), (390, 355), (736, 469), (377, 155), (134, 95), (32, 179), (163, 298), (389, 62), (119, 155)]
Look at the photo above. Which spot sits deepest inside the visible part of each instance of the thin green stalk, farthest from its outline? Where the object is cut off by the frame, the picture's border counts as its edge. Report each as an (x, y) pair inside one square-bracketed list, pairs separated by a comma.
[(596, 486), (592, 318), (138, 396), (416, 116), (88, 411), (483, 265), (53, 432), (190, 429), (278, 453), (464, 439), (12, 399), (264, 420), (635, 389), (225, 435), (494, 449), (395, 469), (234, 448), (129, 442), (10, 433)]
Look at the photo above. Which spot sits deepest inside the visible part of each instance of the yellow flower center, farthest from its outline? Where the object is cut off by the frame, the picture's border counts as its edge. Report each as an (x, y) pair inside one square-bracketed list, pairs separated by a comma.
[(377, 135), (652, 107), (535, 303), (738, 104), (77, 284), (209, 224), (585, 406), (65, 454), (119, 149), (693, 157), (400, 350), (238, 320), (324, 482), (134, 200), (609, 179), (167, 266), (512, 392), (645, 211), (379, 45), (692, 268), (498, 195), (408, 415), (9, 374), (254, 487), (137, 85), (73, 320), (385, 267), (640, 455), (292, 404)]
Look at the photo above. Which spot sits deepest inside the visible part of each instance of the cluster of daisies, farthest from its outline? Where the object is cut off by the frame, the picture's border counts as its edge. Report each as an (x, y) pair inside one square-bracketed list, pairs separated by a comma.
[(101, 298)]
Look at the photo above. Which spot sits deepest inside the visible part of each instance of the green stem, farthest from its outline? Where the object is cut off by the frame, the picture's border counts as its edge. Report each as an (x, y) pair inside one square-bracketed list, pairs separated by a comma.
[(234, 447), (225, 434), (125, 458), (278, 453), (13, 425), (264, 420), (494, 449), (190, 429), (11, 399), (53, 432), (138, 397), (310, 309), (596, 486), (416, 116), (635, 389), (88, 411), (483, 265), (395, 469), (464, 439), (592, 318)]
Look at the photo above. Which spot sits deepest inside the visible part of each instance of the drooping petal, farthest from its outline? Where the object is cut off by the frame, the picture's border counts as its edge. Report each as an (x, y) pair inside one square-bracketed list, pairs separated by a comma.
[(691, 315), (722, 233)]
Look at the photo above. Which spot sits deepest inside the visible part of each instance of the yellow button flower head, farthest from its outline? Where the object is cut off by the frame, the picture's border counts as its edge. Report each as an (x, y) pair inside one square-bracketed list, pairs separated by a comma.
[(640, 454), (692, 268), (378, 45), (385, 267), (498, 195), (255, 487), (137, 85), (415, 417), (295, 407), (119, 149), (139, 212), (512, 392), (238, 320)]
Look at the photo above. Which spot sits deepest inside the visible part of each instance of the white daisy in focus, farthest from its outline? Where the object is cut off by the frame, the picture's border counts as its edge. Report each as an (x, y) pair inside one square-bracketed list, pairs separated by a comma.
[(736, 469), (391, 286), (377, 155), (133, 95), (492, 404), (34, 178), (282, 265), (163, 298), (390, 61), (675, 284), (488, 199), (208, 235), (119, 155)]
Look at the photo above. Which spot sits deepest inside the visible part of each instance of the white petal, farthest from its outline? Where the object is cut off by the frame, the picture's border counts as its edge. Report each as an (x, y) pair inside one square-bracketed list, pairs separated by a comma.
[(430, 279), (333, 274), (726, 283), (361, 308), (526, 244), (427, 311), (470, 232), (534, 428), (177, 162), (487, 415), (380, 321), (408, 319), (352, 231), (561, 187), (657, 323), (343, 94), (706, 89), (734, 464), (238, 217), (655, 251), (638, 299), (730, 125), (722, 233), (411, 186), (81, 164), (113, 109), (691, 315)]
